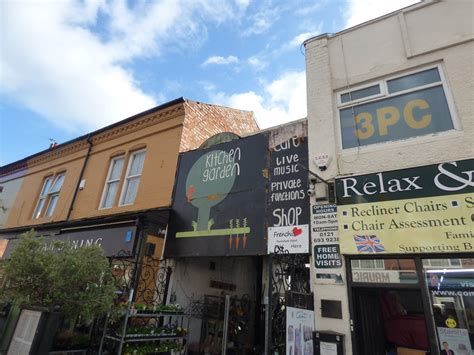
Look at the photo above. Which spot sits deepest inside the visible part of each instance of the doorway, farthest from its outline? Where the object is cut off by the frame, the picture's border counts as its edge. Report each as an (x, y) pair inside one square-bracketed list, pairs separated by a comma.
[(389, 319), (222, 297)]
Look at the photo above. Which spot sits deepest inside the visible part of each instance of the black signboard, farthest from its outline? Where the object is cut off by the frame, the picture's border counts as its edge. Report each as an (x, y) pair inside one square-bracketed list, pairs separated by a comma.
[(456, 177), (111, 240), (287, 197), (219, 201), (327, 256)]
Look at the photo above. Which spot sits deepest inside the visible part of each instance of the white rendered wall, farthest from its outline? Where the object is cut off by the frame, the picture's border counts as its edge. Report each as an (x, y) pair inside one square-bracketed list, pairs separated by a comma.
[(386, 47), (7, 196), (424, 34)]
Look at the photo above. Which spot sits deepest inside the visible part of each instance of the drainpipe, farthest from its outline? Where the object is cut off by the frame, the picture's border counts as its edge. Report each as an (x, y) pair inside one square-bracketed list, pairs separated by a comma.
[(89, 142)]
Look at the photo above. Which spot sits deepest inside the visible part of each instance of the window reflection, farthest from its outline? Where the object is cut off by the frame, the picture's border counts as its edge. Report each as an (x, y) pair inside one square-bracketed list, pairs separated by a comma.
[(384, 270), (450, 283)]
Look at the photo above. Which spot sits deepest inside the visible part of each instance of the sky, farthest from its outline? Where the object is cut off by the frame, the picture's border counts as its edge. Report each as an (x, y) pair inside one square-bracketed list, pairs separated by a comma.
[(71, 67)]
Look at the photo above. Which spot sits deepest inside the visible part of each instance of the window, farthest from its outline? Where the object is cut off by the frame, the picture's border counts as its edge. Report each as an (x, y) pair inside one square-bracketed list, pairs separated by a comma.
[(395, 108), (367, 264), (132, 178), (49, 195), (441, 262), (384, 271), (112, 182), (452, 302), (360, 93)]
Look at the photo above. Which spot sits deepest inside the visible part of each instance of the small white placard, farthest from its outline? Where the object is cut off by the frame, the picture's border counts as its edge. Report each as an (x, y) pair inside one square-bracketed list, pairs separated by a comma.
[(288, 239), (327, 348), (299, 331)]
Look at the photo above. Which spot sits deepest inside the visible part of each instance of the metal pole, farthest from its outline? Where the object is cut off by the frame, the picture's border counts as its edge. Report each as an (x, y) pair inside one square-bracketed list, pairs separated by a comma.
[(268, 310), (125, 324), (226, 324), (104, 333)]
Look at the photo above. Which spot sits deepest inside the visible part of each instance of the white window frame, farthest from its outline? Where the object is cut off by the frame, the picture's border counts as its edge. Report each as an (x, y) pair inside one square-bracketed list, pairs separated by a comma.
[(428, 264), (43, 197), (108, 181), (385, 95), (54, 195), (127, 177), (374, 261)]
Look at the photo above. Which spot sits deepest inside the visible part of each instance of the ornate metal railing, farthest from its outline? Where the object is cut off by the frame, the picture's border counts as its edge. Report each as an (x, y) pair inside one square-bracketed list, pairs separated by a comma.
[(289, 275), (146, 279), (149, 277)]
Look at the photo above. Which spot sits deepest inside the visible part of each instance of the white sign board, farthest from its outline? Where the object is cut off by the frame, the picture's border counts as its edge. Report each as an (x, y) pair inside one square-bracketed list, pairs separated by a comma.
[(288, 239), (327, 348), (299, 331), (24, 333), (455, 339), (325, 225)]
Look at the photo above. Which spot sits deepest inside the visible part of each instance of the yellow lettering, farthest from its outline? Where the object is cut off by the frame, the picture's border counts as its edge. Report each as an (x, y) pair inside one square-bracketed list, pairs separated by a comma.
[(411, 120), (387, 116), (364, 121)]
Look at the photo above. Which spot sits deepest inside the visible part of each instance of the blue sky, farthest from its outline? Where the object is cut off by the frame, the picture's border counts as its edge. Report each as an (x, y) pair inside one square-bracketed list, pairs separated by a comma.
[(70, 67)]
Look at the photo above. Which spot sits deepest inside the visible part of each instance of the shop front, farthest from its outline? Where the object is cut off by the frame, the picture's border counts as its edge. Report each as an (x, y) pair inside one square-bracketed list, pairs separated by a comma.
[(132, 242), (408, 241), (216, 239), (234, 204)]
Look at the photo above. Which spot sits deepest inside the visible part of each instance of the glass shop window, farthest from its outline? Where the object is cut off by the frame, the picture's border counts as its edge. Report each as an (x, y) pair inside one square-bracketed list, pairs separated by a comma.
[(451, 290), (384, 271)]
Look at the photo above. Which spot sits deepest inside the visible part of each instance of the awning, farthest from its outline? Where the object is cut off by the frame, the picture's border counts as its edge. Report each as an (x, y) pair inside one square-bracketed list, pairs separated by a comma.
[(112, 240), (115, 234)]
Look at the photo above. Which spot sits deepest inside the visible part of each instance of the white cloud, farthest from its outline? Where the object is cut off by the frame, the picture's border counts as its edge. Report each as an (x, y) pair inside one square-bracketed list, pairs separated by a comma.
[(257, 63), (68, 61), (309, 9), (261, 22), (298, 40), (242, 4), (359, 11), (284, 100), (218, 60)]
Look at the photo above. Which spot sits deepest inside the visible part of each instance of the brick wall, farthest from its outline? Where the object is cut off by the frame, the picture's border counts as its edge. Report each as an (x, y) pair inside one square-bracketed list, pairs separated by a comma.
[(204, 120)]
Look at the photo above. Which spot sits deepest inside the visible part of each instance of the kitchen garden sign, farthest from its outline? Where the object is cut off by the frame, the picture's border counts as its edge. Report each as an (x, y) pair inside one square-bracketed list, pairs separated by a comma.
[(219, 202)]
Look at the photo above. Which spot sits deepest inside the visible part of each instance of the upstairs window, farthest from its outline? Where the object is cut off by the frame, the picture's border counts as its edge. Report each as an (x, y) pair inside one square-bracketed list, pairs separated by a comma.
[(49, 195), (395, 108), (128, 182), (112, 183), (132, 178)]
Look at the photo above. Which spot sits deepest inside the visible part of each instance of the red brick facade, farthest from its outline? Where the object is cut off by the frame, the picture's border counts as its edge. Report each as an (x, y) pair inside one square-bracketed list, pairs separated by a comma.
[(202, 121)]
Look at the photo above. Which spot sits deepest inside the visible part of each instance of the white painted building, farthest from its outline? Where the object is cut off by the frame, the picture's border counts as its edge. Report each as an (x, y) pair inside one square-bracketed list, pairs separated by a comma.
[(394, 93)]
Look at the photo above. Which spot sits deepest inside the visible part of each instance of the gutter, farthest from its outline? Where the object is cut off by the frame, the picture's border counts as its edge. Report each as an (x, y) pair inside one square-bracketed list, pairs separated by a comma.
[(81, 174)]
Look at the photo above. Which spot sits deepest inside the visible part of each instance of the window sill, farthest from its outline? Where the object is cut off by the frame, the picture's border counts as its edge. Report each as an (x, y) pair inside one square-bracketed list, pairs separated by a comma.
[(432, 138)]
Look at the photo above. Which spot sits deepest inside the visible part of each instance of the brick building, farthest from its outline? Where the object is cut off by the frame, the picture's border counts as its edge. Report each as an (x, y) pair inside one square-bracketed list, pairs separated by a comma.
[(112, 187)]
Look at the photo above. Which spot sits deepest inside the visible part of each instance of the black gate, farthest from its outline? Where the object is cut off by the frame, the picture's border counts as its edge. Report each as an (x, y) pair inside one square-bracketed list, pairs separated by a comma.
[(289, 287)]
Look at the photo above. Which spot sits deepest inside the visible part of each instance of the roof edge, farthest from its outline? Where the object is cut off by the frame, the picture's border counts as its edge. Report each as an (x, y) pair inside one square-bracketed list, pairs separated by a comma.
[(408, 8), (21, 163)]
